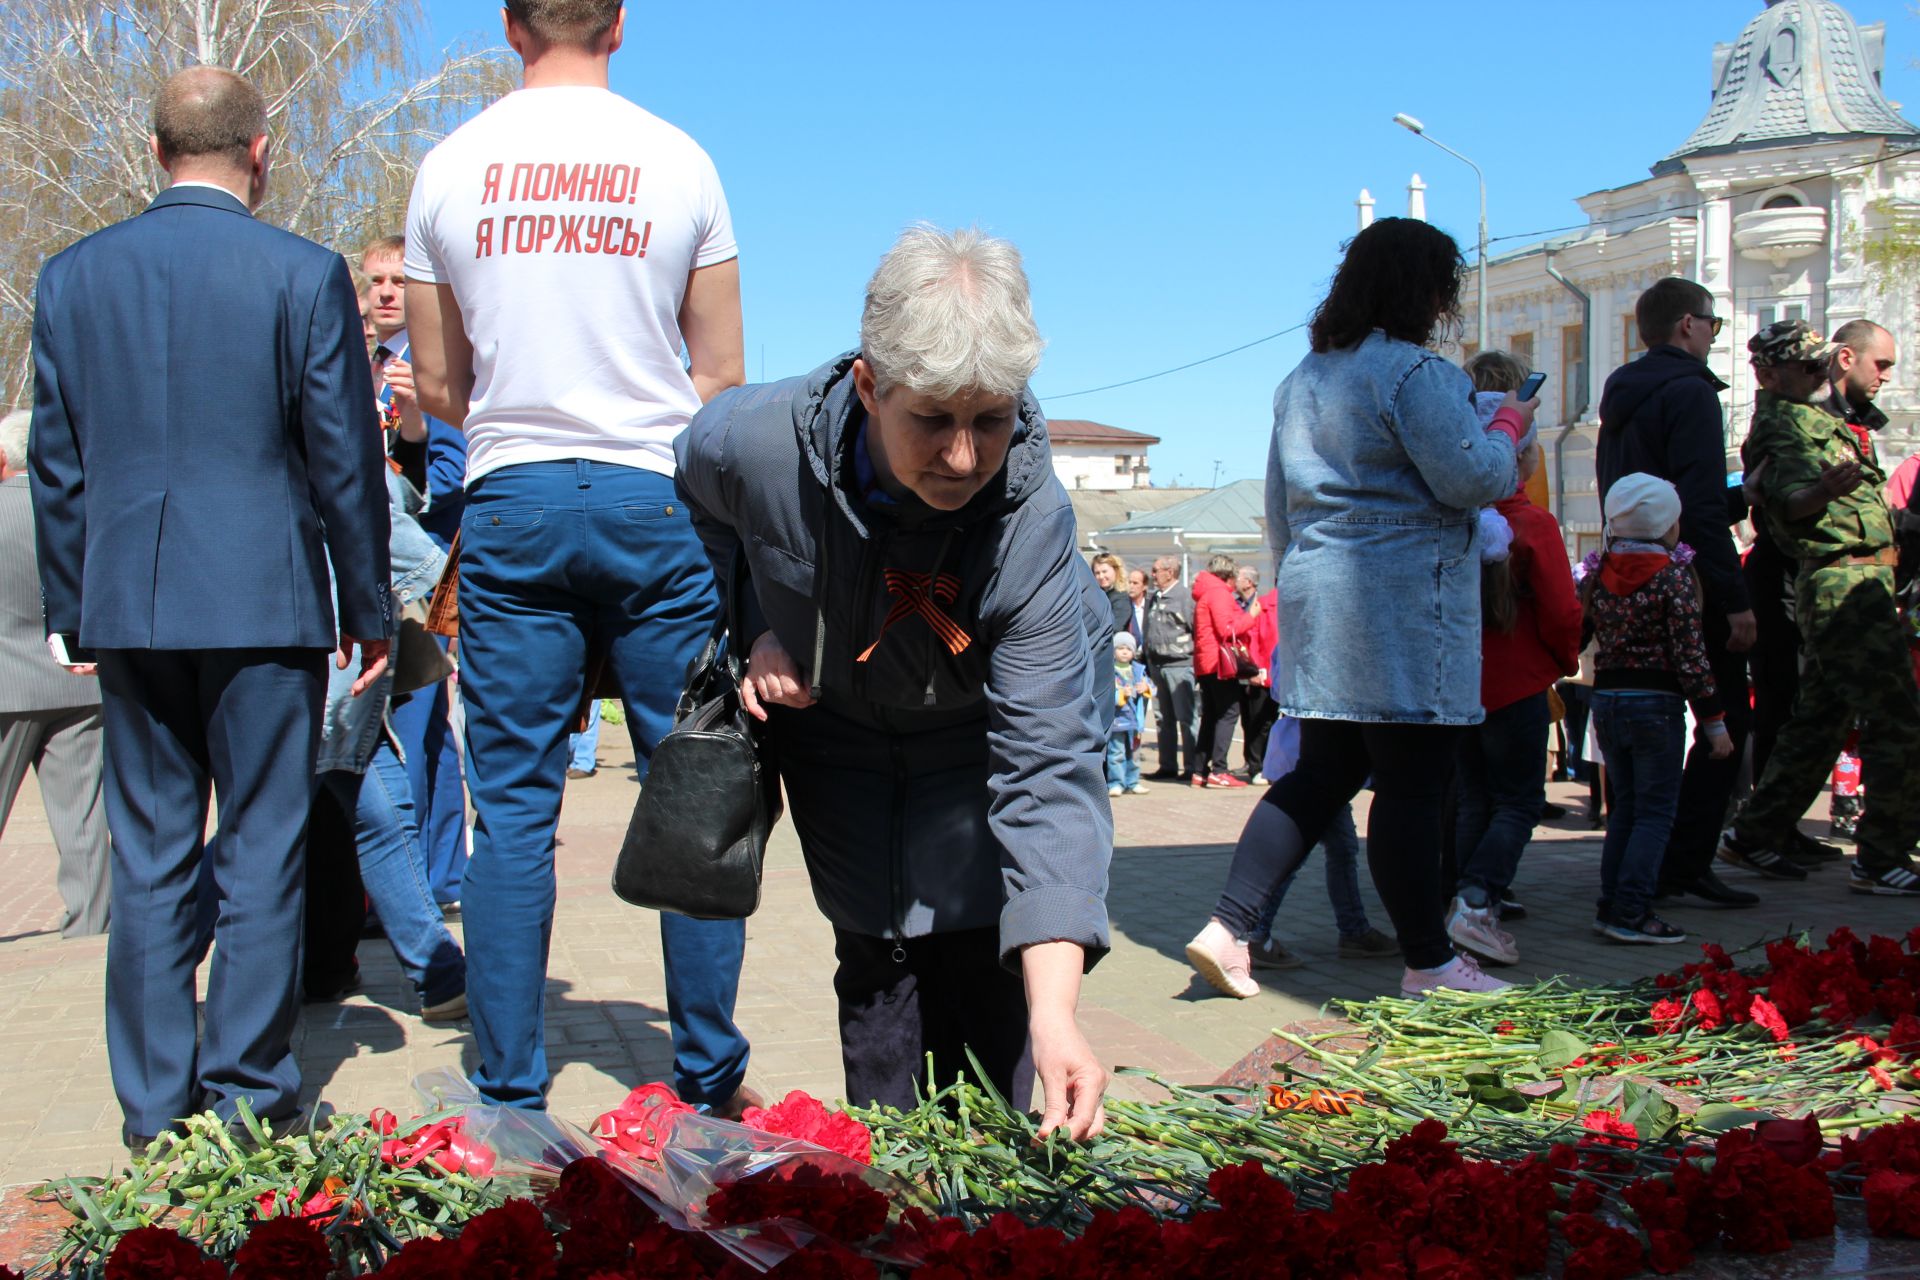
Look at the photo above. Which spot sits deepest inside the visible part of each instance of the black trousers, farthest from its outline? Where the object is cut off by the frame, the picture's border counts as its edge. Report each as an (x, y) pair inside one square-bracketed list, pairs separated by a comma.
[(336, 900), (1706, 788), (1412, 768), (1219, 712), (939, 995), (1258, 714)]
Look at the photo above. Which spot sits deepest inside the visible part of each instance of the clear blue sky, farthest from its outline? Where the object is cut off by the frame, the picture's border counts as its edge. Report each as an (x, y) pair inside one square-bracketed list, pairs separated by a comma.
[(1179, 183)]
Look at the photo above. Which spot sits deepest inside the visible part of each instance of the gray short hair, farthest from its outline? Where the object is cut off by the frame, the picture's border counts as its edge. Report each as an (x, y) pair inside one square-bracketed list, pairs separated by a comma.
[(948, 313), (13, 438)]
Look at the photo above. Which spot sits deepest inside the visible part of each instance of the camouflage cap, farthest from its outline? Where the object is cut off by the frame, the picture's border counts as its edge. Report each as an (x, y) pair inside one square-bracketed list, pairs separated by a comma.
[(1789, 342)]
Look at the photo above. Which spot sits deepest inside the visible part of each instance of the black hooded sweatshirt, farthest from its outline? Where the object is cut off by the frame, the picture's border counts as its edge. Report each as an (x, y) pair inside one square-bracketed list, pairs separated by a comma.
[(1661, 415)]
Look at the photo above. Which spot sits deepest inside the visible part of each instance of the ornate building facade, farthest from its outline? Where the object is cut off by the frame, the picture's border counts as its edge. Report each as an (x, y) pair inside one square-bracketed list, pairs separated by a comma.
[(1769, 203)]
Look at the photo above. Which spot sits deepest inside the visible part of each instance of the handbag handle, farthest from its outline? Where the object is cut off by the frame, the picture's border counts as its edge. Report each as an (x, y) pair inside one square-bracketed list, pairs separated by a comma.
[(719, 661)]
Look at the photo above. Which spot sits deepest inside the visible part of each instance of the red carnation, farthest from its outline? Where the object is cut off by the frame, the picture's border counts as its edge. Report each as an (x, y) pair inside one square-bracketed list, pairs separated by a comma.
[(1250, 1189), (1394, 1195), (1893, 1203), (1607, 1129), (1904, 1036), (156, 1253), (824, 1260), (283, 1249), (1707, 1005), (1600, 1252), (1764, 1014), (590, 1192), (1798, 1142), (1669, 1252), (803, 1116), (837, 1205), (513, 1240), (1438, 1262), (1425, 1149), (1667, 1013), (427, 1258)]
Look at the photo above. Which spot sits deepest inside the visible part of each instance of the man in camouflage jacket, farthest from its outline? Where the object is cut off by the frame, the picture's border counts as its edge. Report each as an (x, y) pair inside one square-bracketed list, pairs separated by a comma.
[(1820, 491)]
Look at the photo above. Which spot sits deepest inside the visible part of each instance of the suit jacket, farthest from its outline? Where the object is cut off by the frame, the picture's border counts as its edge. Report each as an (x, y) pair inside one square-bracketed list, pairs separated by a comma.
[(204, 436), (30, 680)]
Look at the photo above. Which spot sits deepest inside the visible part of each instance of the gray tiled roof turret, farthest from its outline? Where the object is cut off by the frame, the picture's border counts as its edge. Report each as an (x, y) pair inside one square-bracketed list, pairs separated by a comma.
[(1799, 71)]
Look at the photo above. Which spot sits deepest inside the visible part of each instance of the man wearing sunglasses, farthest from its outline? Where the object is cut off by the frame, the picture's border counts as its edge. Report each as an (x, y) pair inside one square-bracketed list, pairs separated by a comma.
[(1820, 495), (1661, 415)]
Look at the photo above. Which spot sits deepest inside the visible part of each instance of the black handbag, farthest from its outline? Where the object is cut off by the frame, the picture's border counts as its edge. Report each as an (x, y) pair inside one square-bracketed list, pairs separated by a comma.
[(698, 839)]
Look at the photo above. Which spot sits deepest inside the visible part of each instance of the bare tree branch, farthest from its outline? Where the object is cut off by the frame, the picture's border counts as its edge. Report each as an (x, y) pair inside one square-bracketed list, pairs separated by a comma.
[(353, 105)]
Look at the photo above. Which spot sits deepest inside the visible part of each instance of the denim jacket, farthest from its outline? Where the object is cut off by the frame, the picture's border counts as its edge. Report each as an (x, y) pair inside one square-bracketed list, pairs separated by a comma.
[(351, 727), (1377, 470)]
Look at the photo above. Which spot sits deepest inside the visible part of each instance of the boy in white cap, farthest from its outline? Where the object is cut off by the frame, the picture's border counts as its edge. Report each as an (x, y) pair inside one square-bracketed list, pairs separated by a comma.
[(1642, 605), (1131, 689)]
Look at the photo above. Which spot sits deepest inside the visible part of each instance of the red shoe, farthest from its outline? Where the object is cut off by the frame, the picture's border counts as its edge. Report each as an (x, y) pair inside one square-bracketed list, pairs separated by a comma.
[(1226, 780), (1198, 779)]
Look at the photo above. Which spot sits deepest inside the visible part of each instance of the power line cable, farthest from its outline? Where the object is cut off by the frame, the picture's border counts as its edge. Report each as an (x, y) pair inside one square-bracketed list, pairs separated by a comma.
[(1655, 216), (1191, 364)]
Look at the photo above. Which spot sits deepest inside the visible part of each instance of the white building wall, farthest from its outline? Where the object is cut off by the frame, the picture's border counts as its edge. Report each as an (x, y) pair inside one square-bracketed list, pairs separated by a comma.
[(1082, 466)]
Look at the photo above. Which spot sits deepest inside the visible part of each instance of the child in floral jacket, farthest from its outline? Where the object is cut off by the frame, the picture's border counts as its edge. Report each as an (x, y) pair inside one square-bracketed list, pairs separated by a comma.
[(1642, 608)]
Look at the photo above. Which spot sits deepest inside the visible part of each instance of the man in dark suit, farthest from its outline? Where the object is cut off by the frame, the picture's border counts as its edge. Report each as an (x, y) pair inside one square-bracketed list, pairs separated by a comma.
[(203, 443)]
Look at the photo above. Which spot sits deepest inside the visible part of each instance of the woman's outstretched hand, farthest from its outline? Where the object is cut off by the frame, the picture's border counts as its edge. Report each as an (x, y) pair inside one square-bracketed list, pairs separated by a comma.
[(772, 679), (1072, 1080)]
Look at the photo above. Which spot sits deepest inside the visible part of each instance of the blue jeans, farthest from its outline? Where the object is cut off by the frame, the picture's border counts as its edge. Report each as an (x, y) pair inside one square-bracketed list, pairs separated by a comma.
[(1641, 735), (393, 869), (421, 723), (1340, 847), (1122, 769), (1500, 790), (559, 557), (584, 748)]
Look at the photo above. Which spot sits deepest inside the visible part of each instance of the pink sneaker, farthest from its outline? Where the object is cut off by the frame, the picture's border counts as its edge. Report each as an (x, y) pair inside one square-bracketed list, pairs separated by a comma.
[(1459, 974), (1224, 961)]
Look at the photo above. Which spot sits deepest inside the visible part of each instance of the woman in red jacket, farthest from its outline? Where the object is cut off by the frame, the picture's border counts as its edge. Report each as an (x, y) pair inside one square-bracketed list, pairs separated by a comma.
[(1222, 635), (1530, 638)]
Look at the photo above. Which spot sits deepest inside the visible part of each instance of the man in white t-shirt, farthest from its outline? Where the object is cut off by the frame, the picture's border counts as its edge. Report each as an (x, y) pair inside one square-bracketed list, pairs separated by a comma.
[(563, 247)]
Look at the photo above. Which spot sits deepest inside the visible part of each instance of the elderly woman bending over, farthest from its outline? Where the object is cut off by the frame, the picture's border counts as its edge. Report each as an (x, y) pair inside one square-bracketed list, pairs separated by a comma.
[(933, 660), (1377, 470)]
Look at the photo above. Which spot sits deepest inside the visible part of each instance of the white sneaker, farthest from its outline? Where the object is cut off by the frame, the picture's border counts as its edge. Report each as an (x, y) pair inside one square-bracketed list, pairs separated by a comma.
[(1224, 961), (1459, 974), (1475, 929), (1115, 789)]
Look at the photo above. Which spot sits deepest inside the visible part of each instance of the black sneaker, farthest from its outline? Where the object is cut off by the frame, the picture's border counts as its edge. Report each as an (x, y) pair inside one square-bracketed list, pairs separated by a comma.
[(1511, 907), (1808, 852), (1649, 928), (1757, 858), (1711, 890), (1893, 882)]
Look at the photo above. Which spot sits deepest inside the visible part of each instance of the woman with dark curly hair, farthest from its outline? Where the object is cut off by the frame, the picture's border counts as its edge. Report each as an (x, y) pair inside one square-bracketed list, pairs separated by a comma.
[(1376, 474)]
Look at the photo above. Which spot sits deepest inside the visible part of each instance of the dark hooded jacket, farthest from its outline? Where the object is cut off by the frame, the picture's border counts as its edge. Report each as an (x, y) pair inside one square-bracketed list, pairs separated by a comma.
[(951, 773), (1661, 415)]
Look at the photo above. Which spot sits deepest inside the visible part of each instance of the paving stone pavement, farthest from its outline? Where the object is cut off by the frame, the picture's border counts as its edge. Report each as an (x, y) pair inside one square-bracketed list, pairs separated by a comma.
[(607, 1025)]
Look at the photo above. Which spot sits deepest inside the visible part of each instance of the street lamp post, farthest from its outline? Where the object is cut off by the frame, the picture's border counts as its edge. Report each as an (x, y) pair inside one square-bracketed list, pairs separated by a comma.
[(1408, 123)]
